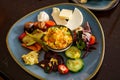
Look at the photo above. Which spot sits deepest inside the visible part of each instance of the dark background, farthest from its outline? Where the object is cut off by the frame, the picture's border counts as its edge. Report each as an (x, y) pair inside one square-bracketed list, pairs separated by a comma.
[(12, 10)]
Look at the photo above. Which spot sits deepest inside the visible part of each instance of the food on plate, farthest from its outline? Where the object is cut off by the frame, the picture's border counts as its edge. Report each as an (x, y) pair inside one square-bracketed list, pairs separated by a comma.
[(43, 16), (31, 26), (49, 23), (34, 47), (84, 39), (40, 25), (58, 37), (36, 34), (55, 14), (75, 65), (65, 14), (73, 52), (64, 33), (63, 69), (51, 62), (31, 58), (22, 36), (76, 20), (28, 40), (92, 40)]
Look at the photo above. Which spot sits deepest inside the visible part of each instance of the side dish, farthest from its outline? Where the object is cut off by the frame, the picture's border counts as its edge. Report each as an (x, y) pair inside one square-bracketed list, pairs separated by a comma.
[(31, 58), (58, 37)]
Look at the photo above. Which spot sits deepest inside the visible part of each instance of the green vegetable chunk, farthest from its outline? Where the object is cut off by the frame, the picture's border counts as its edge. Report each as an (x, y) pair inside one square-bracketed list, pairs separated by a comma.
[(73, 52), (28, 40), (75, 65)]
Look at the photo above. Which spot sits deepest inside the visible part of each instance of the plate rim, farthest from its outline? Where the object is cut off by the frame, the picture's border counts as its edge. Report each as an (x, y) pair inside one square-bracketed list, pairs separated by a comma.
[(111, 5), (73, 4)]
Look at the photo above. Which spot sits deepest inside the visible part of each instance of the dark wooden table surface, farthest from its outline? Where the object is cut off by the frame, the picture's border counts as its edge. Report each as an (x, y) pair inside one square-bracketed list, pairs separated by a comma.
[(12, 10)]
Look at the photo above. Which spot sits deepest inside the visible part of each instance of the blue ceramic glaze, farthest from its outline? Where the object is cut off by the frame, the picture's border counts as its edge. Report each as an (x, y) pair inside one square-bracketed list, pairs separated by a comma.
[(99, 5)]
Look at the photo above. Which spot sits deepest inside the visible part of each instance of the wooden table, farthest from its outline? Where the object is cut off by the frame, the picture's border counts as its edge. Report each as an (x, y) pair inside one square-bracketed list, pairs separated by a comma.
[(12, 10)]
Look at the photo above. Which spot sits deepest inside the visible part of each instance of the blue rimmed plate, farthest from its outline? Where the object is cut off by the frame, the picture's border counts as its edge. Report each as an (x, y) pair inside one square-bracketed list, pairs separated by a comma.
[(99, 5), (92, 62)]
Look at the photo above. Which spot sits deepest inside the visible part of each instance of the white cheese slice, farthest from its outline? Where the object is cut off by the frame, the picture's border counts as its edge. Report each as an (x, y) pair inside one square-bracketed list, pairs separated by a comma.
[(76, 20), (57, 19), (65, 13)]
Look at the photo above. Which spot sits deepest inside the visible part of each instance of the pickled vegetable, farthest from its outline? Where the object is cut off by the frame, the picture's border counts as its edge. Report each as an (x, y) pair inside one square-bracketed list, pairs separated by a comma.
[(75, 65), (73, 52)]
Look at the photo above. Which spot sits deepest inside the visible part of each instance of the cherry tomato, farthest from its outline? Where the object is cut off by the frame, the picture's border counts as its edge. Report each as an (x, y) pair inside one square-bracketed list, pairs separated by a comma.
[(92, 40), (22, 36), (63, 69)]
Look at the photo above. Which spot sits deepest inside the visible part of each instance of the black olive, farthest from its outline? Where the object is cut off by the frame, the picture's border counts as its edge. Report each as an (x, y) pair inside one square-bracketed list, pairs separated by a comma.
[(43, 63), (29, 27), (50, 65), (49, 55), (55, 67), (60, 59), (48, 69), (46, 66)]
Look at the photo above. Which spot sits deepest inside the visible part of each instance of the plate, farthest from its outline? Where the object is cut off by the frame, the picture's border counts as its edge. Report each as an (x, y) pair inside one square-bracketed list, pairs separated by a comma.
[(92, 62), (99, 5)]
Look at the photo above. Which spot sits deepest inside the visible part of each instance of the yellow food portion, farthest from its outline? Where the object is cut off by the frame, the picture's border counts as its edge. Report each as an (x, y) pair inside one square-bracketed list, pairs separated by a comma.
[(30, 58), (65, 13), (58, 37), (83, 1)]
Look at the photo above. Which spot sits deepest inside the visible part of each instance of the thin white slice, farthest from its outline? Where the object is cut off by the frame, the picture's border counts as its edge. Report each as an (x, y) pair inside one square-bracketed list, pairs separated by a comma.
[(57, 19), (65, 13), (76, 20)]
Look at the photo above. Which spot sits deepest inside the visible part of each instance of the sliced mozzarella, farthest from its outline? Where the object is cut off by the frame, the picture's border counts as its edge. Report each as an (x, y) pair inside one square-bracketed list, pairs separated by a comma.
[(76, 20), (55, 15), (65, 13)]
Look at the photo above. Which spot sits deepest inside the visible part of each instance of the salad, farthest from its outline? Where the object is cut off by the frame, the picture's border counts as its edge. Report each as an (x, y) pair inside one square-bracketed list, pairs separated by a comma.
[(65, 29)]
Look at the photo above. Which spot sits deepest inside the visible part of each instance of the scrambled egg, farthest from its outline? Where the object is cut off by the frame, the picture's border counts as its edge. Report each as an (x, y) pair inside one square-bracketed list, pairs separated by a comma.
[(58, 37), (30, 58)]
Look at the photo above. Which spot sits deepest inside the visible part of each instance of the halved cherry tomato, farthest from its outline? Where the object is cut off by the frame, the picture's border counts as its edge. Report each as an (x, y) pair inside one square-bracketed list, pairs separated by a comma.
[(63, 69), (92, 40), (22, 36)]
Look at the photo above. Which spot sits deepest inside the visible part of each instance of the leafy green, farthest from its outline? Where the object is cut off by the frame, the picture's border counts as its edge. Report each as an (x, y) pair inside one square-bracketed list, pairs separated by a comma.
[(79, 42)]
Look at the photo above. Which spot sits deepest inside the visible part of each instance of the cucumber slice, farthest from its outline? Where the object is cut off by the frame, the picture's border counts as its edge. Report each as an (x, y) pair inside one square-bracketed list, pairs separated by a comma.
[(28, 40), (75, 65), (73, 52), (32, 38)]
